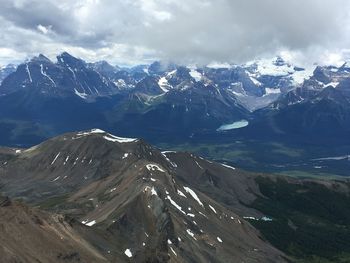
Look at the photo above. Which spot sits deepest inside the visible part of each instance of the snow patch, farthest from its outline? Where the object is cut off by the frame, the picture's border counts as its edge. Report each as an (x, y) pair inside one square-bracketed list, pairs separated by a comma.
[(120, 83), (93, 131), (332, 84), (54, 180), (82, 95), (212, 208), (113, 138), (164, 85), (202, 214), (153, 191), (195, 74), (172, 250), (166, 158), (199, 165), (66, 160), (269, 91), (255, 81), (250, 218), (45, 75), (228, 166), (175, 204), (87, 223), (191, 233), (128, 253), (154, 167), (181, 193), (266, 219), (54, 160), (193, 194), (108, 136), (28, 72)]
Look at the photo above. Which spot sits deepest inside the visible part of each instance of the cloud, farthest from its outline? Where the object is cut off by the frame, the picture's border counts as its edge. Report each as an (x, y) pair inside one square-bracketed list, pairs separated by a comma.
[(44, 29), (197, 31)]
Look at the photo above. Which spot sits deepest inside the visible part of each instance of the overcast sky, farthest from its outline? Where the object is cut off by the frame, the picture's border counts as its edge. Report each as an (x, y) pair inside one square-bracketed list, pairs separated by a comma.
[(186, 31)]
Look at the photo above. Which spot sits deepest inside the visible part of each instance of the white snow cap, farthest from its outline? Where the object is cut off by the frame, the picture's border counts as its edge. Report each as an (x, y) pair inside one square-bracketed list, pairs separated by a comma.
[(107, 136)]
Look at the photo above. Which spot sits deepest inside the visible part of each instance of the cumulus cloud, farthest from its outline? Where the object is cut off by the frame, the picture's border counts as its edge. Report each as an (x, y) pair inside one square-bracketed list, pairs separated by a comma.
[(197, 31)]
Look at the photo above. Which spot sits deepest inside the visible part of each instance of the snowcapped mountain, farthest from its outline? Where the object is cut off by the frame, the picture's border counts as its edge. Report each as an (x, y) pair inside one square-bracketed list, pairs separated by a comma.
[(319, 108), (255, 85), (161, 98), (277, 67), (323, 77), (68, 76), (274, 78)]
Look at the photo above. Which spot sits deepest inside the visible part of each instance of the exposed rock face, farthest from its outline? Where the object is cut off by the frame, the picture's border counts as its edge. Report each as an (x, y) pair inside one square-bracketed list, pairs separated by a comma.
[(135, 203), (30, 235)]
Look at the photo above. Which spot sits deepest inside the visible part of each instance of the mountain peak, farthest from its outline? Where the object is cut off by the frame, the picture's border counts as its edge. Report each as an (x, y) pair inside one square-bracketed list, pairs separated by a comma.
[(159, 67), (41, 58), (279, 61), (104, 66), (68, 59), (65, 54)]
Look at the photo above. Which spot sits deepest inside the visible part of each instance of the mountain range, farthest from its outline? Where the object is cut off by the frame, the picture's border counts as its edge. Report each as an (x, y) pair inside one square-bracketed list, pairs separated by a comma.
[(318, 108), (261, 102), (92, 196)]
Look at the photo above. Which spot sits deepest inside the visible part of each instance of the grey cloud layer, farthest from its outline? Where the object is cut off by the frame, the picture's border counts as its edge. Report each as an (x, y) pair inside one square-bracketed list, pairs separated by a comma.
[(186, 31)]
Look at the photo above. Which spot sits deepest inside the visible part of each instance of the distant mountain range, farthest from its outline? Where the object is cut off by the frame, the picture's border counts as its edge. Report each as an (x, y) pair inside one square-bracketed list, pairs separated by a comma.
[(262, 80), (6, 70), (318, 109), (168, 102), (103, 198)]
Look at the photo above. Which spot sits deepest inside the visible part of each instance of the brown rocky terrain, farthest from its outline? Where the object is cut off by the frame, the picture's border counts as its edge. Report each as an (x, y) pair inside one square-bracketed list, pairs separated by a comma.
[(127, 202)]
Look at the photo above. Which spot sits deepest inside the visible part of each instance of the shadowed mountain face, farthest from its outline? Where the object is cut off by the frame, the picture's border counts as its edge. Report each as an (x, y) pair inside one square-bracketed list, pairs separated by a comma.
[(68, 76), (137, 203)]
